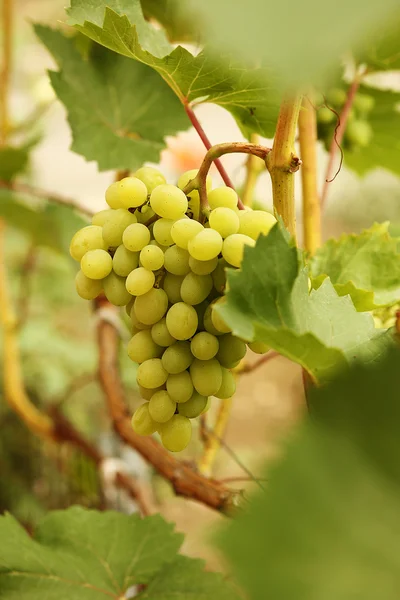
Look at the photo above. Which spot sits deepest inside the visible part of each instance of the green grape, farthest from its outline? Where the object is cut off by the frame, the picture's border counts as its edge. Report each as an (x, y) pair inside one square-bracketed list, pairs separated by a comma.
[(157, 245), (177, 358), (152, 257), (259, 347), (203, 267), (114, 228), (142, 347), (176, 433), (135, 321), (194, 197), (228, 385), (219, 275), (206, 376), (255, 222), (172, 287), (207, 322), (162, 232), (180, 386), (136, 237), (216, 318), (161, 335), (140, 281), (205, 245), (161, 407), (233, 248), (204, 345), (87, 238), (142, 423), (325, 115), (132, 192), (207, 406), (115, 290), (88, 289), (201, 311), (151, 307), (231, 350), (102, 217), (183, 230), (182, 321), (195, 288), (124, 261), (151, 177), (129, 307), (168, 201), (144, 214), (224, 220), (337, 97), (176, 260), (151, 373), (363, 103), (358, 133), (147, 393), (223, 196), (112, 196), (96, 264), (193, 407)]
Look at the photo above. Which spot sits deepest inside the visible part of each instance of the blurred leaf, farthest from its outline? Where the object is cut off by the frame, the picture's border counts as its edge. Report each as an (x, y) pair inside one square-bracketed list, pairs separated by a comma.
[(173, 16), (14, 160), (365, 266), (248, 93), (327, 527), (383, 53), (268, 300)]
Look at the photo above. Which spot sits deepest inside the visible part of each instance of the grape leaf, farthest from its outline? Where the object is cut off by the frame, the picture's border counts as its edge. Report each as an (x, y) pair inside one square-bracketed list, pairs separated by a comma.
[(248, 93), (14, 160), (268, 300), (180, 27), (327, 527), (383, 53), (119, 111), (365, 266)]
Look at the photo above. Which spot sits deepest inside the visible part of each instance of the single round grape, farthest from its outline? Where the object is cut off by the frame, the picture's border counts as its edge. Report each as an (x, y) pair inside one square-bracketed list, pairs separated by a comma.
[(337, 97), (172, 287), (112, 196), (161, 335), (147, 393), (168, 201), (151, 373), (140, 281), (132, 192), (161, 407), (206, 376), (231, 350), (207, 406), (177, 358), (182, 321), (180, 386), (96, 264), (195, 288), (151, 307), (223, 196), (233, 248), (216, 318), (142, 347), (363, 103), (188, 176), (204, 345), (359, 133), (88, 289), (176, 260), (219, 275), (193, 407), (208, 324), (87, 238), (207, 244), (259, 347), (136, 237), (152, 257), (325, 115), (228, 385), (183, 230), (203, 267), (162, 231), (224, 220), (115, 290), (176, 433), (255, 222), (114, 228), (135, 321), (102, 217), (142, 423), (124, 261), (151, 177)]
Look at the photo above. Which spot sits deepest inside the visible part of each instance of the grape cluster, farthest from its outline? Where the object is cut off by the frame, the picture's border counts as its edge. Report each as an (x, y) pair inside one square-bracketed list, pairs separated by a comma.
[(148, 253), (358, 131)]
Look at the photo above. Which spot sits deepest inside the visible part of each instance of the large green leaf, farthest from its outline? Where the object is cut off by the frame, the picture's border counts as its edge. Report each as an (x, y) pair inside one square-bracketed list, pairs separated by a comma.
[(119, 111), (365, 266), (14, 159), (383, 52), (173, 16), (268, 300), (327, 527), (248, 93)]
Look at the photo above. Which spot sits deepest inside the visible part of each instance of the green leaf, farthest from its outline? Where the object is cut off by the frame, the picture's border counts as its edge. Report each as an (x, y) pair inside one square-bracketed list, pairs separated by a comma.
[(365, 266), (14, 160), (327, 526), (173, 17), (383, 53), (119, 111), (268, 300), (248, 93)]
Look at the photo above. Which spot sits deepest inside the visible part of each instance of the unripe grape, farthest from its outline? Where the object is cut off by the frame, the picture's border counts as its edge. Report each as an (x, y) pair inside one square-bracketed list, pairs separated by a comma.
[(176, 433), (195, 288), (176, 260), (124, 261), (325, 115), (177, 358), (152, 257), (132, 192), (233, 248), (87, 238), (337, 97), (115, 290), (96, 264), (172, 287), (140, 281), (136, 237), (359, 133), (223, 196), (204, 345), (151, 177), (183, 230), (206, 245), (151, 373), (231, 350), (216, 318), (151, 307), (142, 423), (182, 321), (228, 385), (364, 103), (259, 347), (180, 386), (161, 407), (255, 222), (168, 201), (142, 347), (88, 289), (162, 232), (224, 220), (206, 376), (193, 407), (203, 267)]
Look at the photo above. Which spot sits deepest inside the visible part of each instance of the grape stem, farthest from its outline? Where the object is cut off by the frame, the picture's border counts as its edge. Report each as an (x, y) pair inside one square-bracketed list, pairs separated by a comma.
[(212, 443), (199, 182), (252, 173)]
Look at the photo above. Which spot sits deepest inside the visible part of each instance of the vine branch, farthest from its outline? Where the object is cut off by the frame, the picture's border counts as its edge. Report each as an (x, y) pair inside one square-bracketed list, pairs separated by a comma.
[(212, 445), (253, 171)]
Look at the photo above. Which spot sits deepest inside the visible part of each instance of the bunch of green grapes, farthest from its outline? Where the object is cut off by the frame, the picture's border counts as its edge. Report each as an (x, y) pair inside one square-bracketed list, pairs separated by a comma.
[(148, 253), (358, 131)]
